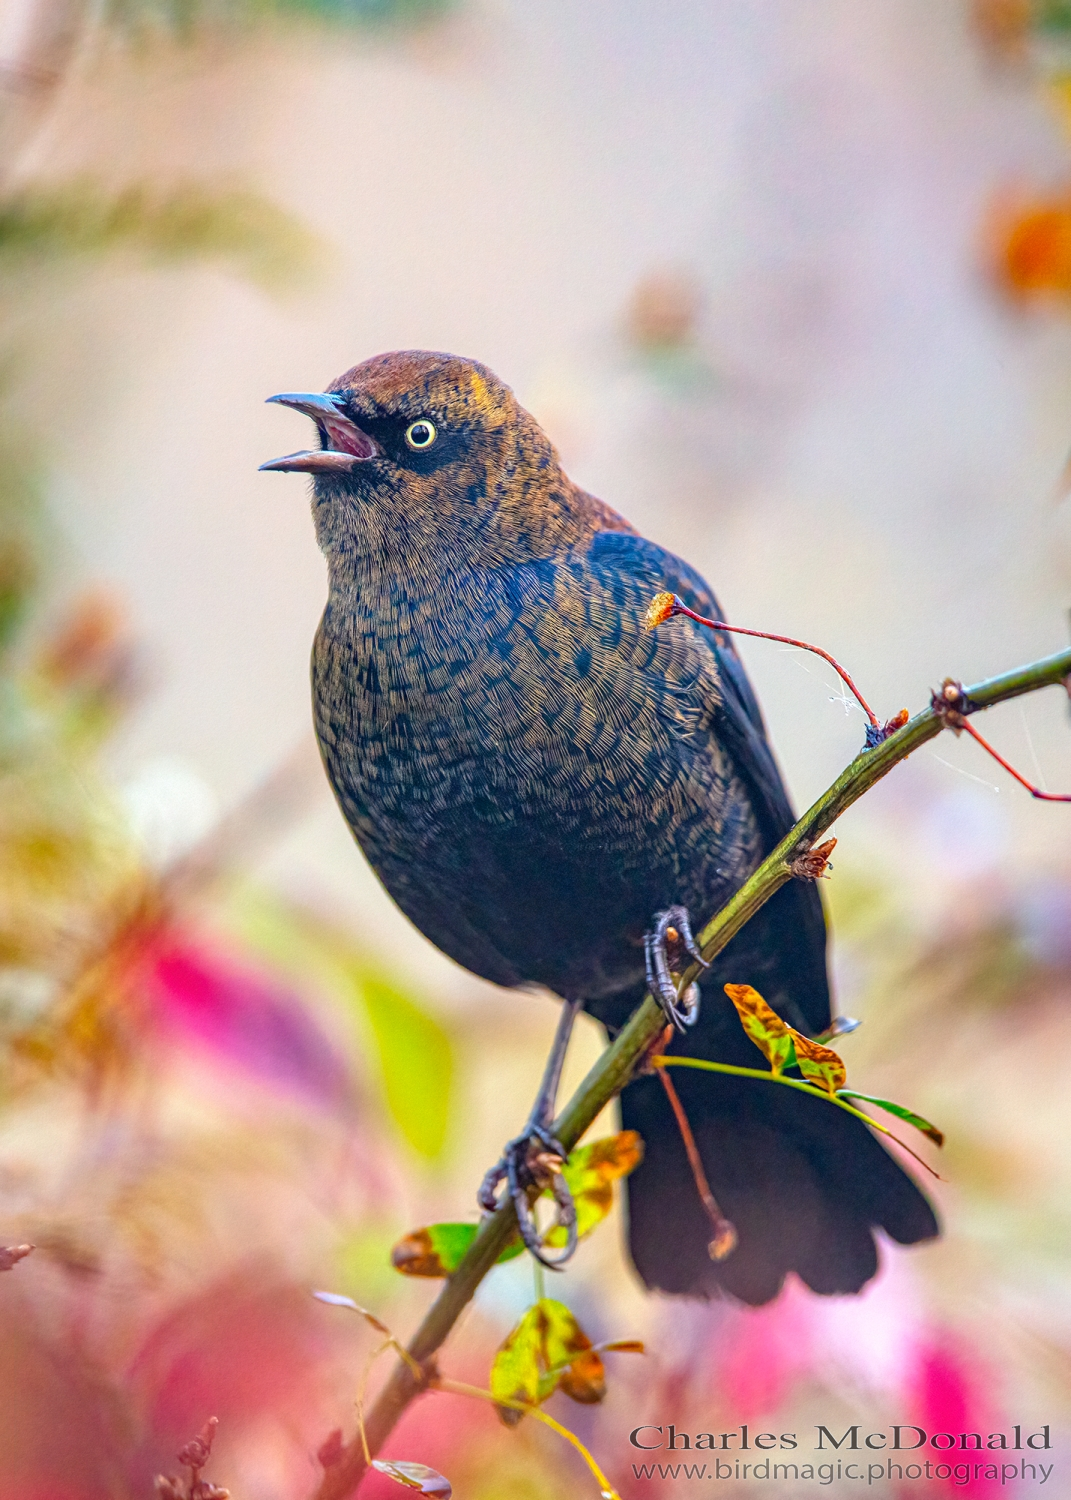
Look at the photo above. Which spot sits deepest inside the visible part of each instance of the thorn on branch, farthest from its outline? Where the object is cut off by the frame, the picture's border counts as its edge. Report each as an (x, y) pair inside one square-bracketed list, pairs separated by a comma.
[(951, 704), (813, 864), (10, 1255)]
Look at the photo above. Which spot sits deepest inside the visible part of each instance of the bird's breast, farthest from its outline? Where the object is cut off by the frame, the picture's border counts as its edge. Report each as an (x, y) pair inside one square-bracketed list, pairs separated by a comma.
[(503, 692)]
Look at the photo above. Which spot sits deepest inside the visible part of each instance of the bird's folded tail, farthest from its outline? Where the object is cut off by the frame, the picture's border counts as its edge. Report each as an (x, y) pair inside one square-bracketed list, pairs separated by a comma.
[(805, 1184)]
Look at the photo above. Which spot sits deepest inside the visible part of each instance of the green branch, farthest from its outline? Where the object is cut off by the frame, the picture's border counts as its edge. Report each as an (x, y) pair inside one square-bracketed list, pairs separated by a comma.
[(617, 1064)]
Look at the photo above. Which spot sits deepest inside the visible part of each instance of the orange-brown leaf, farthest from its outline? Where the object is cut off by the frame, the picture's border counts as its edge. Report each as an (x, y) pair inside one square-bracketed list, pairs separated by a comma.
[(763, 1025), (590, 1173), (818, 1064), (567, 1345)]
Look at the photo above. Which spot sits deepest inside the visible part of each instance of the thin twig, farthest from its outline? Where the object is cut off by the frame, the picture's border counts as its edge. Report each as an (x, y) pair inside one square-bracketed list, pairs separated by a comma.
[(706, 1066), (617, 1065), (459, 1388), (724, 1241), (1035, 791), (678, 607)]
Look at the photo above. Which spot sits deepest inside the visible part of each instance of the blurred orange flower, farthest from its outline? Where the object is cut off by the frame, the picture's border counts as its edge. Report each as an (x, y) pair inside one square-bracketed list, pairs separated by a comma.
[(1031, 249)]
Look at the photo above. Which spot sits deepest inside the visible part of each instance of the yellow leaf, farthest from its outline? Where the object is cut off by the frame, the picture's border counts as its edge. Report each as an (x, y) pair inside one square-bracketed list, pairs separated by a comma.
[(516, 1369), (546, 1351), (764, 1026), (590, 1173)]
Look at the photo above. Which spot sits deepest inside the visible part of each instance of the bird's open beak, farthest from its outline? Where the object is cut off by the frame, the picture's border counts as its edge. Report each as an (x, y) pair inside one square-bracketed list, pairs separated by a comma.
[(347, 447)]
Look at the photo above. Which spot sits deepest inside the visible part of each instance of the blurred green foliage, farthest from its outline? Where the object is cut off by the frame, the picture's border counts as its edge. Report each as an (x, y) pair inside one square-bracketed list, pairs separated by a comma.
[(21, 524), (184, 19), (190, 220), (415, 1060), (1053, 15), (413, 1051)]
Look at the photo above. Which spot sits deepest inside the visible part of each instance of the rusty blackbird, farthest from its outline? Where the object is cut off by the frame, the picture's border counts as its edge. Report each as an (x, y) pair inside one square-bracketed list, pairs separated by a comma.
[(535, 778)]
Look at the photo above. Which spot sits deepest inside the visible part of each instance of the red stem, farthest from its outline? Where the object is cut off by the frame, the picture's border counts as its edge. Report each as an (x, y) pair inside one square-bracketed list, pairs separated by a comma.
[(724, 1239), (1035, 791), (786, 640)]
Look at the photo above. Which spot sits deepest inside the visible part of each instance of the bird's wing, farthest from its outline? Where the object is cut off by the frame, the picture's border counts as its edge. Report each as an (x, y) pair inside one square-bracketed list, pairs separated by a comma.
[(737, 717), (739, 729)]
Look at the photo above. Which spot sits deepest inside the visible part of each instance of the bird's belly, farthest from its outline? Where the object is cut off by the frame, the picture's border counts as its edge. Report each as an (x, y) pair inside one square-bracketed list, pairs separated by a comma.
[(522, 852)]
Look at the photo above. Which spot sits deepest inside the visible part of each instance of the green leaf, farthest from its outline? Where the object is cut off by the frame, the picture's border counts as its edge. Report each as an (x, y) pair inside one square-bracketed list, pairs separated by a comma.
[(439, 1249), (590, 1173), (931, 1131), (415, 1059)]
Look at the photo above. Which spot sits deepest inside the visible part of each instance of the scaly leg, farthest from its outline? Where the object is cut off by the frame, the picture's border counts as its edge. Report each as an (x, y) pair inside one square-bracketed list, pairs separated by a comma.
[(534, 1158), (664, 949)]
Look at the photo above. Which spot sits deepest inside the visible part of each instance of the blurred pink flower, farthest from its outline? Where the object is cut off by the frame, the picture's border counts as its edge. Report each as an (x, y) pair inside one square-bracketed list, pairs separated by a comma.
[(242, 1018), (951, 1395)]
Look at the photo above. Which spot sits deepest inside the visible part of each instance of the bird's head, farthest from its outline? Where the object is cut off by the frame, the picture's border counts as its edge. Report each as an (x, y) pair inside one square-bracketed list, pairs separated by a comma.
[(423, 446)]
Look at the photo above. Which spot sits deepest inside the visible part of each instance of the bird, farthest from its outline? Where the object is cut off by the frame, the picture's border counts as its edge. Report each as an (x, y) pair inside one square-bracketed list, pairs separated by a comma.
[(547, 789)]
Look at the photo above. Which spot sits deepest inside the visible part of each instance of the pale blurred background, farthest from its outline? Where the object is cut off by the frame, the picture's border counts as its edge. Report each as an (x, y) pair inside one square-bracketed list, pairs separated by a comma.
[(790, 286)]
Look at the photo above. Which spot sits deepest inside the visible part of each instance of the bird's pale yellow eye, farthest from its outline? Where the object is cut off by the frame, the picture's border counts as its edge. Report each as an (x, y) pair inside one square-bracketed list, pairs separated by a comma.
[(421, 434)]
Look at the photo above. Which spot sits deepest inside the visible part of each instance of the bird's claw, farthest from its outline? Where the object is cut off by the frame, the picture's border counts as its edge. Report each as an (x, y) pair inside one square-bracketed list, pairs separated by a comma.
[(533, 1160), (664, 949)]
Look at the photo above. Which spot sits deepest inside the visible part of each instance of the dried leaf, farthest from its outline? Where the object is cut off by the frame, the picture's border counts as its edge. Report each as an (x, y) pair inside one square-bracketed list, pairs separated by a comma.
[(772, 1036), (415, 1477), (818, 1064), (931, 1131), (439, 1249), (590, 1173)]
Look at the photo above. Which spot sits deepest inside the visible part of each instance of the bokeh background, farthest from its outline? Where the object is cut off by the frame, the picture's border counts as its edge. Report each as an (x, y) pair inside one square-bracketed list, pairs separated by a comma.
[(790, 285)]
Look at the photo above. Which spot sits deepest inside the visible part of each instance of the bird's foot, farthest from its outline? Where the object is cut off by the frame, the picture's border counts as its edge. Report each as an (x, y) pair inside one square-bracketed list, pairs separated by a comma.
[(665, 950), (533, 1160)]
